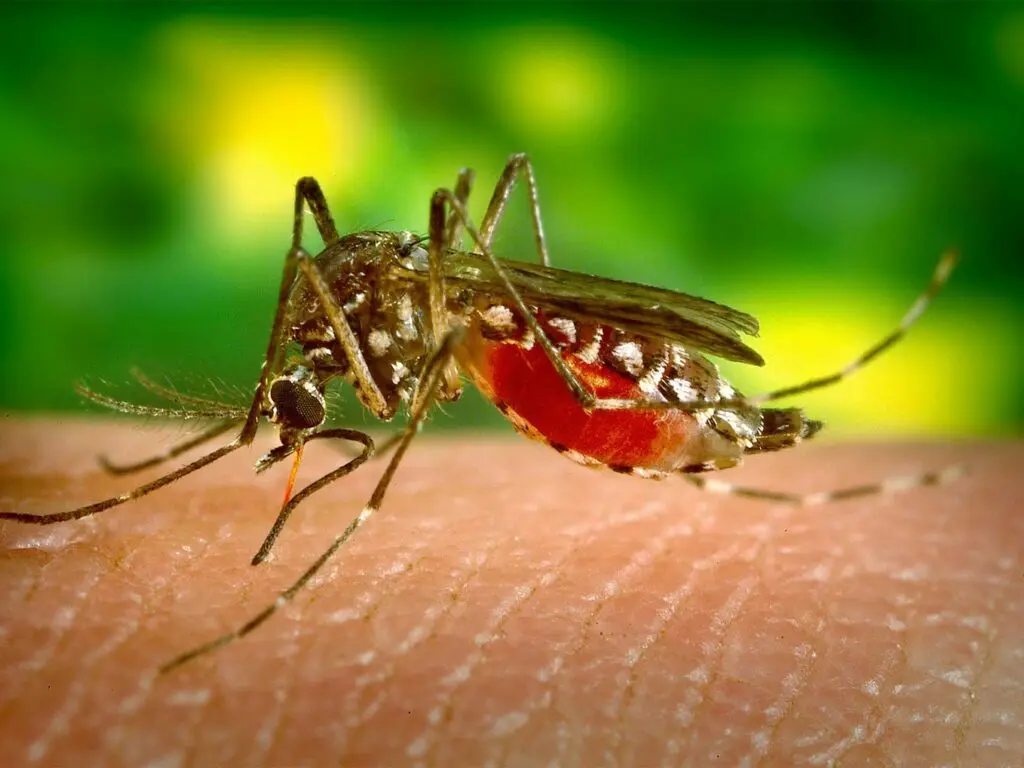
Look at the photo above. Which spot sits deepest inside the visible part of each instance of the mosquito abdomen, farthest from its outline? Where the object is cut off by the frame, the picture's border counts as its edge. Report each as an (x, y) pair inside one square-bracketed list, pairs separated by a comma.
[(510, 368)]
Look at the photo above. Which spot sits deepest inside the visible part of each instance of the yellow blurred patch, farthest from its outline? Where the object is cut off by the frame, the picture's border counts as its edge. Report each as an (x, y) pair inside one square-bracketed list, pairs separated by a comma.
[(555, 82), (919, 387), (265, 106)]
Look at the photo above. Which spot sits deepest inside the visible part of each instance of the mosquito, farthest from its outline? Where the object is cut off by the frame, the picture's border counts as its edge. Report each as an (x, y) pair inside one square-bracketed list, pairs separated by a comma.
[(608, 373)]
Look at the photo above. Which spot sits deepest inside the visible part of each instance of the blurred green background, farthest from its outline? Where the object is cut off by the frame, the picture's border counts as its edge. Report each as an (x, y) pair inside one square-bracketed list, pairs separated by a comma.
[(805, 162)]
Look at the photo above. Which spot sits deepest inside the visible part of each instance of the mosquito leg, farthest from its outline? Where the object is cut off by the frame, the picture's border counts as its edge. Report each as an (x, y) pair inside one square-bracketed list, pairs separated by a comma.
[(174, 451), (380, 451), (142, 490), (430, 382), (388, 445), (306, 191), (517, 165), (451, 386), (345, 337), (286, 511), (309, 189), (888, 486), (463, 186)]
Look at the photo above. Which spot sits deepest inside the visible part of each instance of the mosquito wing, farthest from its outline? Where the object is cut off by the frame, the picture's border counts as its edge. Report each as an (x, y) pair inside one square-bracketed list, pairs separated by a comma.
[(653, 312)]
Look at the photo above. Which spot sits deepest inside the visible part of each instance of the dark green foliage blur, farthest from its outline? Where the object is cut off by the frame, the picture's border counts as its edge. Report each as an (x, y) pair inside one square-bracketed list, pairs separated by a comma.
[(806, 162)]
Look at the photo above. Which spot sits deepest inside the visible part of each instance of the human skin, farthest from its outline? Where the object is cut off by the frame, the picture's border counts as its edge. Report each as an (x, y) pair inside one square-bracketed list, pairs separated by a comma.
[(508, 607)]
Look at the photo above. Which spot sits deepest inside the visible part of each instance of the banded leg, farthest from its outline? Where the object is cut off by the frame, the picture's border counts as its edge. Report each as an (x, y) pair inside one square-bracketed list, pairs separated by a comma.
[(463, 186), (432, 380), (306, 191), (446, 232), (344, 336), (889, 485), (518, 164), (379, 451)]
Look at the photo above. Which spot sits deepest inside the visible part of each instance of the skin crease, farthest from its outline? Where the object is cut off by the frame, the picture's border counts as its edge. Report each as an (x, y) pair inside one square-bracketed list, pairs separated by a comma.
[(508, 607)]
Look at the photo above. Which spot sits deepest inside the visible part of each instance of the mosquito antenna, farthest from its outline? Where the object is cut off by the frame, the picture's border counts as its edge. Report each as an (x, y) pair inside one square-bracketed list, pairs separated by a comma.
[(214, 411), (174, 396), (887, 486), (211, 411)]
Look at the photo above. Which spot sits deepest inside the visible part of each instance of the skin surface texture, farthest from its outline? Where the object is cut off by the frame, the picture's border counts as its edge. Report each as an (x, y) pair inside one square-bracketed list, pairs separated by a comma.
[(508, 607)]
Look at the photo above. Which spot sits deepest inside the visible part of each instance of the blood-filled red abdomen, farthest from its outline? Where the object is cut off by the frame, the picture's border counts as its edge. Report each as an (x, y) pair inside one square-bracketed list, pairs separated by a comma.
[(521, 380)]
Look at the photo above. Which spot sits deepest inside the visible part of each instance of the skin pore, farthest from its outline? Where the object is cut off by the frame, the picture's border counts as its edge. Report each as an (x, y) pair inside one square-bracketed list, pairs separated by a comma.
[(506, 606)]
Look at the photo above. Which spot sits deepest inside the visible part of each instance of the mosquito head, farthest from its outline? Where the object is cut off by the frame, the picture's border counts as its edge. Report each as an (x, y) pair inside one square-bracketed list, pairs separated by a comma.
[(296, 402)]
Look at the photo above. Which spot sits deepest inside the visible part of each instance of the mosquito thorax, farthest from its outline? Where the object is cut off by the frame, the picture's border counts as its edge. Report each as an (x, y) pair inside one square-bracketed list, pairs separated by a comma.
[(368, 275)]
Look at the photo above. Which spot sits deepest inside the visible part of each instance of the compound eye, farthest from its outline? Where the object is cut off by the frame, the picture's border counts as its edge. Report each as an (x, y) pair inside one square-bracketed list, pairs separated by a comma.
[(297, 404)]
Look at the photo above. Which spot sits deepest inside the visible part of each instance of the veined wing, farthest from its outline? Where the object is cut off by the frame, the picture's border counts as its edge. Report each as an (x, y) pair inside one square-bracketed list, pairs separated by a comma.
[(653, 312)]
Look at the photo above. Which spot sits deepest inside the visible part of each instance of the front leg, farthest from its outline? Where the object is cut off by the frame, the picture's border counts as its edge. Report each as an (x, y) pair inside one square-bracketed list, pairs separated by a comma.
[(307, 192)]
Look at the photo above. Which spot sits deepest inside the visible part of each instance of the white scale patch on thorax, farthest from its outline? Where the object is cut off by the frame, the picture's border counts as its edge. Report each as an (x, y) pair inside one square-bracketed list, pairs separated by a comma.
[(318, 354), (379, 342), (355, 302), (406, 330), (399, 372), (321, 331)]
